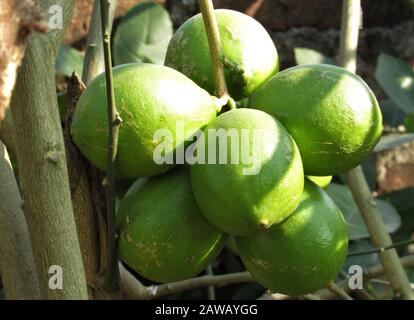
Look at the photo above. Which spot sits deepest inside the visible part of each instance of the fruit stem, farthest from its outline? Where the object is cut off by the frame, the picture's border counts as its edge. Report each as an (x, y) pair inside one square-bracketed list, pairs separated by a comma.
[(351, 14), (111, 276), (214, 42)]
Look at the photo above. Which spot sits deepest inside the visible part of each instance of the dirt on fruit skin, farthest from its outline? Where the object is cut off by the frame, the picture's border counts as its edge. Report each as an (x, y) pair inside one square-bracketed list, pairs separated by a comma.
[(163, 235)]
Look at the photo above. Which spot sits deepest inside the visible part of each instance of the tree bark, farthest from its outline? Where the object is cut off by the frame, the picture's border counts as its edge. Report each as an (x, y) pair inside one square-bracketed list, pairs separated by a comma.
[(42, 165), (17, 19), (88, 194), (17, 267), (6, 132)]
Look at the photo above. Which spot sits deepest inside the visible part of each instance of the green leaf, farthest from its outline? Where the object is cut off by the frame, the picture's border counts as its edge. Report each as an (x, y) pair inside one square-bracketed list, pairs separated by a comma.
[(356, 227), (143, 35), (69, 60), (409, 123), (392, 141), (392, 115), (397, 80), (366, 260), (310, 56)]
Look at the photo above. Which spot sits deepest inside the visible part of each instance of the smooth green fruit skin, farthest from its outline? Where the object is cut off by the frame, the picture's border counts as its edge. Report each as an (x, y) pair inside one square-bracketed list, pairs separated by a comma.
[(163, 235), (322, 182), (238, 203), (247, 47), (148, 98), (303, 253), (331, 114)]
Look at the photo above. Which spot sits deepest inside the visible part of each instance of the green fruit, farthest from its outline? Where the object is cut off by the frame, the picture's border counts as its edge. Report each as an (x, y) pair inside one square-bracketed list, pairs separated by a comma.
[(249, 52), (240, 196), (164, 237), (148, 98), (303, 253), (322, 182), (331, 114)]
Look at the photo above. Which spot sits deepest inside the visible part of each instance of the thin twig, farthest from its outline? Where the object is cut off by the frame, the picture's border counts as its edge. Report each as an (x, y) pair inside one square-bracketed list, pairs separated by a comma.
[(369, 273), (134, 289), (214, 42), (338, 291), (211, 292), (355, 178), (111, 276), (395, 245)]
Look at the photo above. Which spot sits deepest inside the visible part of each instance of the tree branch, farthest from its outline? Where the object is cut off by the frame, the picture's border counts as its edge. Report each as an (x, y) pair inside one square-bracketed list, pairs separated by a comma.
[(134, 290), (7, 135), (17, 269), (17, 20), (111, 275), (355, 178), (42, 165), (338, 291), (94, 63), (88, 195)]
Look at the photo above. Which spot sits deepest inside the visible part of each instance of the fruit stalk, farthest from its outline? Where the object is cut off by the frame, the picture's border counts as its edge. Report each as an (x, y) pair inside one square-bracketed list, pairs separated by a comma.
[(214, 42), (111, 275), (351, 13)]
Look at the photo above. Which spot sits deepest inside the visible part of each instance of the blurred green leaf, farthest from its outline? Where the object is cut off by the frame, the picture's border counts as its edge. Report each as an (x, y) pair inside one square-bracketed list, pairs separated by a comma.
[(397, 80), (355, 224), (392, 115), (69, 60), (409, 123), (310, 56), (370, 172), (402, 200), (143, 35), (365, 260), (392, 141)]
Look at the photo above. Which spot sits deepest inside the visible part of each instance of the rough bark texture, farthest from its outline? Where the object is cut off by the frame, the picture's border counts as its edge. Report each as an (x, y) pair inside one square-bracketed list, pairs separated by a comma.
[(88, 194), (17, 267), (42, 165), (17, 19), (83, 206)]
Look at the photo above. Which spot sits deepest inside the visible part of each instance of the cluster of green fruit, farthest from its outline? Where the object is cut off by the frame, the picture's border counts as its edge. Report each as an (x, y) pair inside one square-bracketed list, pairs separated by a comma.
[(315, 120)]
